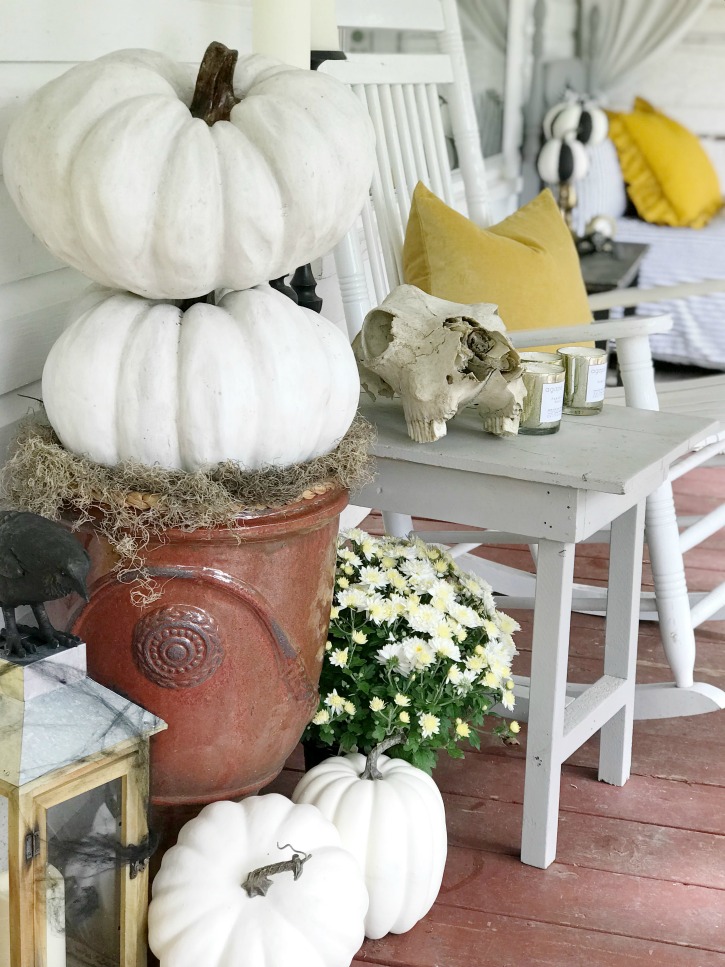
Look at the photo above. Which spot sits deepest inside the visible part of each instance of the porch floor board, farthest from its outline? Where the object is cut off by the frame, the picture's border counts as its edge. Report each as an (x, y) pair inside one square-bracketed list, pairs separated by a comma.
[(639, 877)]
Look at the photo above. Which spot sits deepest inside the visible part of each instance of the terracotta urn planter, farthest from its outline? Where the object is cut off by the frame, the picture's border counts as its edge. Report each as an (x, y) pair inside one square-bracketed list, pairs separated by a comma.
[(230, 654)]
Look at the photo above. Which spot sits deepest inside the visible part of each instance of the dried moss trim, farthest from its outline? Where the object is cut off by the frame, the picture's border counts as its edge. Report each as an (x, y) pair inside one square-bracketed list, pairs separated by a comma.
[(131, 502)]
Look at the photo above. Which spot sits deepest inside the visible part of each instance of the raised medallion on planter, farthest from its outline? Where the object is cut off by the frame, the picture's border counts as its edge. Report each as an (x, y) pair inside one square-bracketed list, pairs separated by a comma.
[(177, 647)]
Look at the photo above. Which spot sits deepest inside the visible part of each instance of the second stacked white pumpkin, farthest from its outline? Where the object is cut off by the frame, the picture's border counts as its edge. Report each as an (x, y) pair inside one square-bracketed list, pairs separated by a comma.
[(255, 379)]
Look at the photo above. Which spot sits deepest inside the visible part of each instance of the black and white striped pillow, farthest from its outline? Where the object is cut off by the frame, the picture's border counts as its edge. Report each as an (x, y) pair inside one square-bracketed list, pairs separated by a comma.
[(601, 191)]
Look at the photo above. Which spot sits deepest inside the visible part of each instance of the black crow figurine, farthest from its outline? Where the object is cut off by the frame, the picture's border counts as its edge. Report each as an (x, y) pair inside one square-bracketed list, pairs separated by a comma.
[(39, 561)]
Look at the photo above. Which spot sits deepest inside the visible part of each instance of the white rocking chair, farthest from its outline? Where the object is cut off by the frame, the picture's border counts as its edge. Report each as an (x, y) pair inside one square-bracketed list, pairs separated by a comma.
[(400, 92)]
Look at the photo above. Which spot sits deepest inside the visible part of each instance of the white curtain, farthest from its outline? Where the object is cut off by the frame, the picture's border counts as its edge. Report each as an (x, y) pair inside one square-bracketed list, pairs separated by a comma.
[(484, 21), (484, 29), (619, 36)]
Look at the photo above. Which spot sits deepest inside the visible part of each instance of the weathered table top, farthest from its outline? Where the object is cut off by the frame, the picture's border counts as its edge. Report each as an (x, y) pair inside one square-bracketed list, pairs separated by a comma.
[(621, 452), (605, 452)]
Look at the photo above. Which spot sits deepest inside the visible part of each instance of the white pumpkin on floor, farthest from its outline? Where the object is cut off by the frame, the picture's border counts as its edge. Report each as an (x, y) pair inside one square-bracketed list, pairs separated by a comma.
[(392, 819), (255, 379), (206, 911), (118, 172)]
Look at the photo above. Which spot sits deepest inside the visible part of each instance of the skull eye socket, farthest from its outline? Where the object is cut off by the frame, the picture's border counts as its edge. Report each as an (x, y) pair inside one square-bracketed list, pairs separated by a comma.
[(378, 332)]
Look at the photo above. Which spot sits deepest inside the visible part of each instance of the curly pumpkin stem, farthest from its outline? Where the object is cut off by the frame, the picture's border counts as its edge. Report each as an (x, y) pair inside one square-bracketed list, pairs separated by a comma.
[(258, 881), (214, 95), (371, 770)]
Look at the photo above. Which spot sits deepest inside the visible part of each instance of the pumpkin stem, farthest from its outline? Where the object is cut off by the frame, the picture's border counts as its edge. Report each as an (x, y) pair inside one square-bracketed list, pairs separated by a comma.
[(371, 770), (258, 881), (214, 95), (213, 101)]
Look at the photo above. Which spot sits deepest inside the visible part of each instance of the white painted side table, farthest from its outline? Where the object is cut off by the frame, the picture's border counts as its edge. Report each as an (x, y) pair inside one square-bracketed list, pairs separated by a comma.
[(559, 490)]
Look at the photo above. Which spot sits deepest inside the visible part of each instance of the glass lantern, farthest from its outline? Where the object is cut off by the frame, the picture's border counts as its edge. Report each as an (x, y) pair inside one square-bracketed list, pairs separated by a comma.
[(73, 804)]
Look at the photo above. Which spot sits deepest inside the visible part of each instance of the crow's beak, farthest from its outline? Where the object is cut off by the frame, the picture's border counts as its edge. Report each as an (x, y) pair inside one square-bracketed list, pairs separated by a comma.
[(79, 585)]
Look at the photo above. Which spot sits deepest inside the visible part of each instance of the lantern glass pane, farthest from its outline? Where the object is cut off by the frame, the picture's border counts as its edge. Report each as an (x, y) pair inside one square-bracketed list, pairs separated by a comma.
[(4, 899), (84, 876)]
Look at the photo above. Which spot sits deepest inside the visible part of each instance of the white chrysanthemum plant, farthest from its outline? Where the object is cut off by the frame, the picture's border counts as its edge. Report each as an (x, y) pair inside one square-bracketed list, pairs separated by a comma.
[(417, 657)]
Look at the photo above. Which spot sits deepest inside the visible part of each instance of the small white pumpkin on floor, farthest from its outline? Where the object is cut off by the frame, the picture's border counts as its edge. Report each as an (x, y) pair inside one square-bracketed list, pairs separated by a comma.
[(390, 816), (263, 883), (256, 379)]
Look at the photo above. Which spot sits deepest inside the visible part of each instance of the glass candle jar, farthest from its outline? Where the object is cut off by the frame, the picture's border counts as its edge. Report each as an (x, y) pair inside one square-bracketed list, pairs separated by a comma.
[(586, 379), (542, 408)]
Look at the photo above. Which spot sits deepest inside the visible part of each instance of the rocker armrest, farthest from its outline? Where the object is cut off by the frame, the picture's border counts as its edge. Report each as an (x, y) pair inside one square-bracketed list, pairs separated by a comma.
[(625, 298), (606, 329)]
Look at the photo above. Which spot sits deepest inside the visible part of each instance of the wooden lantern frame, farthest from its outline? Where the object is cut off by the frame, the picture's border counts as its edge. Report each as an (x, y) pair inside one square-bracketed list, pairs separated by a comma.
[(28, 854), (126, 760)]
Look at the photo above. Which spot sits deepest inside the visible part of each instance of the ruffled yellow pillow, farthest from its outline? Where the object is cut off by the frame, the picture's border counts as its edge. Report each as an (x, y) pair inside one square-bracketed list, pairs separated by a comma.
[(669, 176), (527, 264)]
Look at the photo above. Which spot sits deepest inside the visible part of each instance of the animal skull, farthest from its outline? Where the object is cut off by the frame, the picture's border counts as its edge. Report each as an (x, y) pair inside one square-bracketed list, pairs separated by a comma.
[(439, 356)]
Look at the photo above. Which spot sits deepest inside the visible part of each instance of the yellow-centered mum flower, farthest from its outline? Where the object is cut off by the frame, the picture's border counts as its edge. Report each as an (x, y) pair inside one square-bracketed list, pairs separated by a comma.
[(335, 702), (429, 724)]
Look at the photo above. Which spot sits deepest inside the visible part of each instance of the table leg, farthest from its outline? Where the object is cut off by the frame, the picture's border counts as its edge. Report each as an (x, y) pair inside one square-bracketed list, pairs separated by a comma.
[(620, 645), (397, 525), (550, 652)]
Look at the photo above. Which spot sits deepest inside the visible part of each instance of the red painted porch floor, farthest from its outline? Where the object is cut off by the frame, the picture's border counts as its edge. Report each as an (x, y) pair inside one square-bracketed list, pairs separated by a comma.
[(639, 877)]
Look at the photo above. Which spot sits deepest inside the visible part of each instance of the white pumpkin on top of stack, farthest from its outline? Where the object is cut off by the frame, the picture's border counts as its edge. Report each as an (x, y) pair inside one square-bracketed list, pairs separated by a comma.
[(146, 183)]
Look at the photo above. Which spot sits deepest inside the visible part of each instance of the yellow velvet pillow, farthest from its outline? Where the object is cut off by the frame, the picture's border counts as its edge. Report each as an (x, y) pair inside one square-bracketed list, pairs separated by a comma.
[(527, 264), (669, 176)]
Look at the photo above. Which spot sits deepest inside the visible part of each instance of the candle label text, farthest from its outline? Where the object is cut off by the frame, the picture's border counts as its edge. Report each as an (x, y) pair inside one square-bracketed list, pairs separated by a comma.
[(552, 400), (596, 382)]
